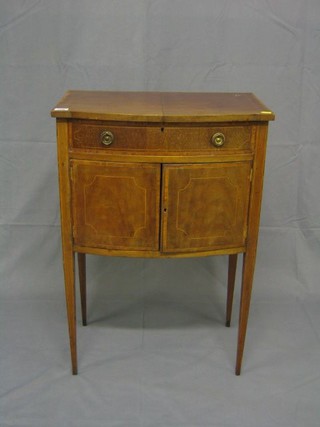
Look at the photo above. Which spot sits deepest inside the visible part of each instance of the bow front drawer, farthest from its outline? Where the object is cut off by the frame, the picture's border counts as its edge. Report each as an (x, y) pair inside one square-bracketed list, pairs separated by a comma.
[(161, 139)]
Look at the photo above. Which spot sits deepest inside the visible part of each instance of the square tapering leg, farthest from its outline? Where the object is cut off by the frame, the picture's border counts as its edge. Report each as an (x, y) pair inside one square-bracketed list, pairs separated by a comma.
[(232, 268), (83, 286)]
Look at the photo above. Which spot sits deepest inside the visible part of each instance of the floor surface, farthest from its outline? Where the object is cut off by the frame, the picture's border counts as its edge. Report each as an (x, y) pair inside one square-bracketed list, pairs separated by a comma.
[(160, 358)]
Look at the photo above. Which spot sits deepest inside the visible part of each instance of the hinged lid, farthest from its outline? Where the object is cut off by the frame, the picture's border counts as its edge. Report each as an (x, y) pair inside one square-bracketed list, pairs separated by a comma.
[(162, 107)]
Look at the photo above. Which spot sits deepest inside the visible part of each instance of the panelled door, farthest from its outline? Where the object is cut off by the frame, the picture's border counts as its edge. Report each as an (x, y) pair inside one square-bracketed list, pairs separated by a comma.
[(204, 206), (116, 205)]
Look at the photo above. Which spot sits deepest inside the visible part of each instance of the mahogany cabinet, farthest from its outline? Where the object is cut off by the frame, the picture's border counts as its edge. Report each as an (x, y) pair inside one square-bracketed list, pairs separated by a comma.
[(151, 174)]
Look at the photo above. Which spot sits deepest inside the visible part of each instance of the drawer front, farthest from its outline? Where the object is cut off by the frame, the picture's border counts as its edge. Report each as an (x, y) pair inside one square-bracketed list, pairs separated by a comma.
[(208, 140), (101, 136), (213, 139)]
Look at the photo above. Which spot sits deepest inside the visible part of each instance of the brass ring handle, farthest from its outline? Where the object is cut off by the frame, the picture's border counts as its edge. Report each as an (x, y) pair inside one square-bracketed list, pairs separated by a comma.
[(218, 139), (106, 137)]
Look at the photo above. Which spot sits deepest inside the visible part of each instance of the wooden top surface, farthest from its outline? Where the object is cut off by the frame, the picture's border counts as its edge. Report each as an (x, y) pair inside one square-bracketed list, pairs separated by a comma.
[(163, 107)]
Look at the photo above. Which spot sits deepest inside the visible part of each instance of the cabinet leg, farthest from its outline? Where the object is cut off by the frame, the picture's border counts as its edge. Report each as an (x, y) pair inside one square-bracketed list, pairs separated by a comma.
[(246, 288), (83, 287), (231, 281), (69, 277)]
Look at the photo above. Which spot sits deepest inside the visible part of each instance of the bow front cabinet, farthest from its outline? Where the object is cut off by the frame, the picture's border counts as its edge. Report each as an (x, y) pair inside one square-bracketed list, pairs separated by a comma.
[(151, 174)]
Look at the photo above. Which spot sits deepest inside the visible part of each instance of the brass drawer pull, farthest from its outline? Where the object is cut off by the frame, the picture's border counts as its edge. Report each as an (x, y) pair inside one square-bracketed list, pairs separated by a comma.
[(106, 137), (218, 139)]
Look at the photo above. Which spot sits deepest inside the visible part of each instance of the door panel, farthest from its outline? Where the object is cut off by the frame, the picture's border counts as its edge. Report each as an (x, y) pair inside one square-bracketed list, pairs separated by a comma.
[(116, 205), (205, 206)]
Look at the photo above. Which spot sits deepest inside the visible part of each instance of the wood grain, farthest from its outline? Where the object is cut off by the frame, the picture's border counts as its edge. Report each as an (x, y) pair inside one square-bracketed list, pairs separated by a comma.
[(204, 206), (213, 107), (165, 107), (87, 134), (232, 268), (156, 254), (249, 257), (116, 205), (161, 189), (151, 157), (161, 140), (83, 286), (66, 235)]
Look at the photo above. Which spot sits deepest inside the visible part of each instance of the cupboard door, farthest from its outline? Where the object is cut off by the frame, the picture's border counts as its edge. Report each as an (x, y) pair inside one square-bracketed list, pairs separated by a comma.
[(116, 205), (205, 206)]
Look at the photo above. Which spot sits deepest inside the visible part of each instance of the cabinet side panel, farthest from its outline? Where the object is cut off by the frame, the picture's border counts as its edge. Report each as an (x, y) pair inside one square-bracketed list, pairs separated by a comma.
[(64, 182), (66, 234)]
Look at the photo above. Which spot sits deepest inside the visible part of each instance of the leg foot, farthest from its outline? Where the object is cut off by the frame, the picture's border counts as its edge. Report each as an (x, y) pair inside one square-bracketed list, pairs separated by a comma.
[(247, 279), (68, 261)]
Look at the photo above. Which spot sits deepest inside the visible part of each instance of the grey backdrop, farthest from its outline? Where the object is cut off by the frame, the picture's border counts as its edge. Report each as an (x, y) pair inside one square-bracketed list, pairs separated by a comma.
[(156, 352)]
